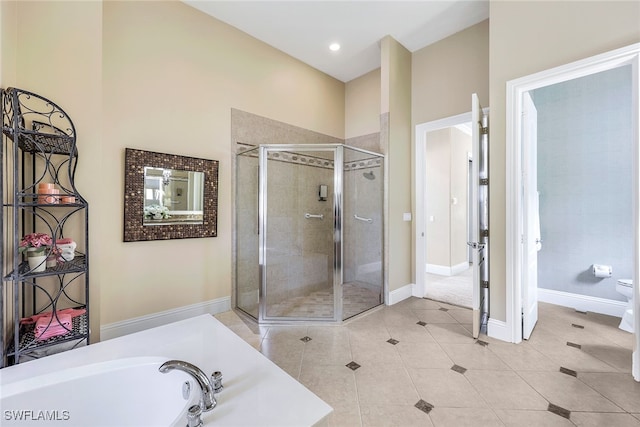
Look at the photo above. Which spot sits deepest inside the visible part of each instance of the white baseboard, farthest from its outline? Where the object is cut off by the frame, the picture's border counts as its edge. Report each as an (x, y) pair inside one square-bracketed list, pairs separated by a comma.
[(137, 324), (445, 270), (582, 302), (417, 291), (498, 329), (400, 294)]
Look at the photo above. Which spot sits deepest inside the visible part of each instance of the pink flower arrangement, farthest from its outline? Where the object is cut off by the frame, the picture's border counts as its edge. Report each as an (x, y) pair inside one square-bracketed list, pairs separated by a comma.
[(35, 240)]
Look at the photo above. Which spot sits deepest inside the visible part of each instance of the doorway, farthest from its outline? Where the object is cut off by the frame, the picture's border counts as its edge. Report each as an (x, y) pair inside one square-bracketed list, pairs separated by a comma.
[(446, 197), (427, 271), (523, 236), (478, 120)]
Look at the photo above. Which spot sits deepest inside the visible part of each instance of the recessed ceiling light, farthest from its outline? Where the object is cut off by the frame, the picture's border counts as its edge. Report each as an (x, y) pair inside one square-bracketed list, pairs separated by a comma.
[(334, 47)]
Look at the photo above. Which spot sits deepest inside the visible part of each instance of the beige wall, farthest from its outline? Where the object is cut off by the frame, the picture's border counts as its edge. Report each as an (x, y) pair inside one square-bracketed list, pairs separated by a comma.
[(8, 39), (460, 149), (446, 73), (527, 37), (437, 180), (446, 175), (395, 102), (172, 75), (362, 105), (158, 76)]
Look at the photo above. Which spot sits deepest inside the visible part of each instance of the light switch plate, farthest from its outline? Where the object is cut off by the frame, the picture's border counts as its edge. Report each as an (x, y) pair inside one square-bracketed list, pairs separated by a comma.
[(406, 216)]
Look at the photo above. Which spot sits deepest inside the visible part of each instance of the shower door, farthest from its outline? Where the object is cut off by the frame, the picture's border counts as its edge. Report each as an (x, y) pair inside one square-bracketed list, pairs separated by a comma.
[(363, 278), (297, 205)]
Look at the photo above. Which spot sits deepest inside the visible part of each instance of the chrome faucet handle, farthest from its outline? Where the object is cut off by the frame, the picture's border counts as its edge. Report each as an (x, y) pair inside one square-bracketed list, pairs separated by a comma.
[(194, 416), (216, 381)]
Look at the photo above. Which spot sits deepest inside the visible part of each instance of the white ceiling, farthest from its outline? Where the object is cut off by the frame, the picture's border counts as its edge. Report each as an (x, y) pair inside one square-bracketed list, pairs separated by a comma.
[(304, 29)]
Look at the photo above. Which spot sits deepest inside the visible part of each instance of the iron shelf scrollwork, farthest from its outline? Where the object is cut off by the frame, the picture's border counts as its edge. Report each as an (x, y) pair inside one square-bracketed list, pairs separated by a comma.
[(39, 149)]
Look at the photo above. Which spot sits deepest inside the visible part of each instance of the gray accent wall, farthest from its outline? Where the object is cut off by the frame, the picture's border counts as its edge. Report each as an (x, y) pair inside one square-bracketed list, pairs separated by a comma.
[(585, 182)]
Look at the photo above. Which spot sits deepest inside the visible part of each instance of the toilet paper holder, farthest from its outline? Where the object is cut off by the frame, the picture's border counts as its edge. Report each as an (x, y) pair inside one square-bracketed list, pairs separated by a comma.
[(600, 270)]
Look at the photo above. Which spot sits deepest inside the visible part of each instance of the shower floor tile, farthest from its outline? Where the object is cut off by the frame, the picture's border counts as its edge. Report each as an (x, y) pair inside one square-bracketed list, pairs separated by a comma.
[(357, 298)]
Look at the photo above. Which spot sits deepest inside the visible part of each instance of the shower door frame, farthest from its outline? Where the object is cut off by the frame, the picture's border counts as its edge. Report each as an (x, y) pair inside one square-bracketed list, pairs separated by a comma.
[(338, 150), (338, 229)]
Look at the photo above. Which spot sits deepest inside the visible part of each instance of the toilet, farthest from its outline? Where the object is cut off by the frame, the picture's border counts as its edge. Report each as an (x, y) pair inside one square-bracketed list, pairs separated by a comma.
[(625, 287)]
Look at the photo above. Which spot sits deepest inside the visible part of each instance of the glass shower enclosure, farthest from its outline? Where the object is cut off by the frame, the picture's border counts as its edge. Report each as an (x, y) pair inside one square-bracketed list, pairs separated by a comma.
[(309, 232)]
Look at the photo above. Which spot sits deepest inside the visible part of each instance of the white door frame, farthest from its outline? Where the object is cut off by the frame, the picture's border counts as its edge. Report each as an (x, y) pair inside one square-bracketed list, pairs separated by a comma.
[(420, 241), (629, 55)]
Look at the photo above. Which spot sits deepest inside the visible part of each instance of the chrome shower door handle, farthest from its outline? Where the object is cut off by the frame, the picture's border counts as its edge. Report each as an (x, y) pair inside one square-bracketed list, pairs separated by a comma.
[(308, 216), (359, 218)]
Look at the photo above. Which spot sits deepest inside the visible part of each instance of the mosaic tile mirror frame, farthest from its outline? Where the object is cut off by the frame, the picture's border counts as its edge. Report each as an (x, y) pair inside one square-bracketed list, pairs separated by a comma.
[(135, 163)]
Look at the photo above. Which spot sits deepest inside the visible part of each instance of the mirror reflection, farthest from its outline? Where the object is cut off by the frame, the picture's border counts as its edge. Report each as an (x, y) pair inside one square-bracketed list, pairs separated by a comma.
[(172, 196)]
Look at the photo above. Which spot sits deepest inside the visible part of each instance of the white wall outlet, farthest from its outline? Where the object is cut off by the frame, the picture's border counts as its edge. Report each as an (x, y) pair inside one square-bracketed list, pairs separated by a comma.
[(406, 216)]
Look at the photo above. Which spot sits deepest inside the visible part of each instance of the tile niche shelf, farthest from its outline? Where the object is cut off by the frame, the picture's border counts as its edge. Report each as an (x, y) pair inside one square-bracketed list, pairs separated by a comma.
[(38, 148)]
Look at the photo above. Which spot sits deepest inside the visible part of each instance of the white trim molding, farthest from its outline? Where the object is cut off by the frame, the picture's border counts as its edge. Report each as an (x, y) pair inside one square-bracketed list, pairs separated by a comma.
[(498, 329), (582, 302), (137, 324), (401, 294)]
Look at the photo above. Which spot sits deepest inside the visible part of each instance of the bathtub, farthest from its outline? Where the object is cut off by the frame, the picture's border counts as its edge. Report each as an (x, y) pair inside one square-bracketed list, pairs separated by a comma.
[(117, 383), (87, 395)]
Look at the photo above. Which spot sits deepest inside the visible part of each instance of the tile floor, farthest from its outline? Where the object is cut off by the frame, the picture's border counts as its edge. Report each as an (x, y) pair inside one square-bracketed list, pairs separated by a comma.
[(416, 364)]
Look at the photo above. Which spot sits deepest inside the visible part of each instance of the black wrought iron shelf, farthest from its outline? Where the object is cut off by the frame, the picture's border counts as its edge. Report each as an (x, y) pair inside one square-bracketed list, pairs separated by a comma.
[(39, 136), (34, 142), (79, 205), (51, 205), (77, 265)]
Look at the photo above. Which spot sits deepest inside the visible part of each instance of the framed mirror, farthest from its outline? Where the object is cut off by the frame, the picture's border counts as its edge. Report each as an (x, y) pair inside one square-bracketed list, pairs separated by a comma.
[(167, 196)]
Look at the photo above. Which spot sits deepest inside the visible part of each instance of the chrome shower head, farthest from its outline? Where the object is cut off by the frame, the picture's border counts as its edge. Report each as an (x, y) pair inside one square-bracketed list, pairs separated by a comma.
[(369, 175)]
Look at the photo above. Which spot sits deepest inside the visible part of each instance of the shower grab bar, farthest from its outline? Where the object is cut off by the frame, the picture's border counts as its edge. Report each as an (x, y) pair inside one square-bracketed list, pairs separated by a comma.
[(308, 215), (359, 218)]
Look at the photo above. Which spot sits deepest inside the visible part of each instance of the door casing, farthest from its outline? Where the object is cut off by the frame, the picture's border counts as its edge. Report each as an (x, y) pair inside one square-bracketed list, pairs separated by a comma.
[(420, 241), (419, 288), (515, 266)]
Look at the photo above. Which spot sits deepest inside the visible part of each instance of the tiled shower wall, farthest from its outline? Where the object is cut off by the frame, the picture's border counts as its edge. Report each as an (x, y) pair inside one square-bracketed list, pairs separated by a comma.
[(585, 182)]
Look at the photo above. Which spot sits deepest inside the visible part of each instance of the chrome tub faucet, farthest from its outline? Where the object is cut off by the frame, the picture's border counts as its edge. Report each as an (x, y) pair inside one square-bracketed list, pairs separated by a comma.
[(207, 389)]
